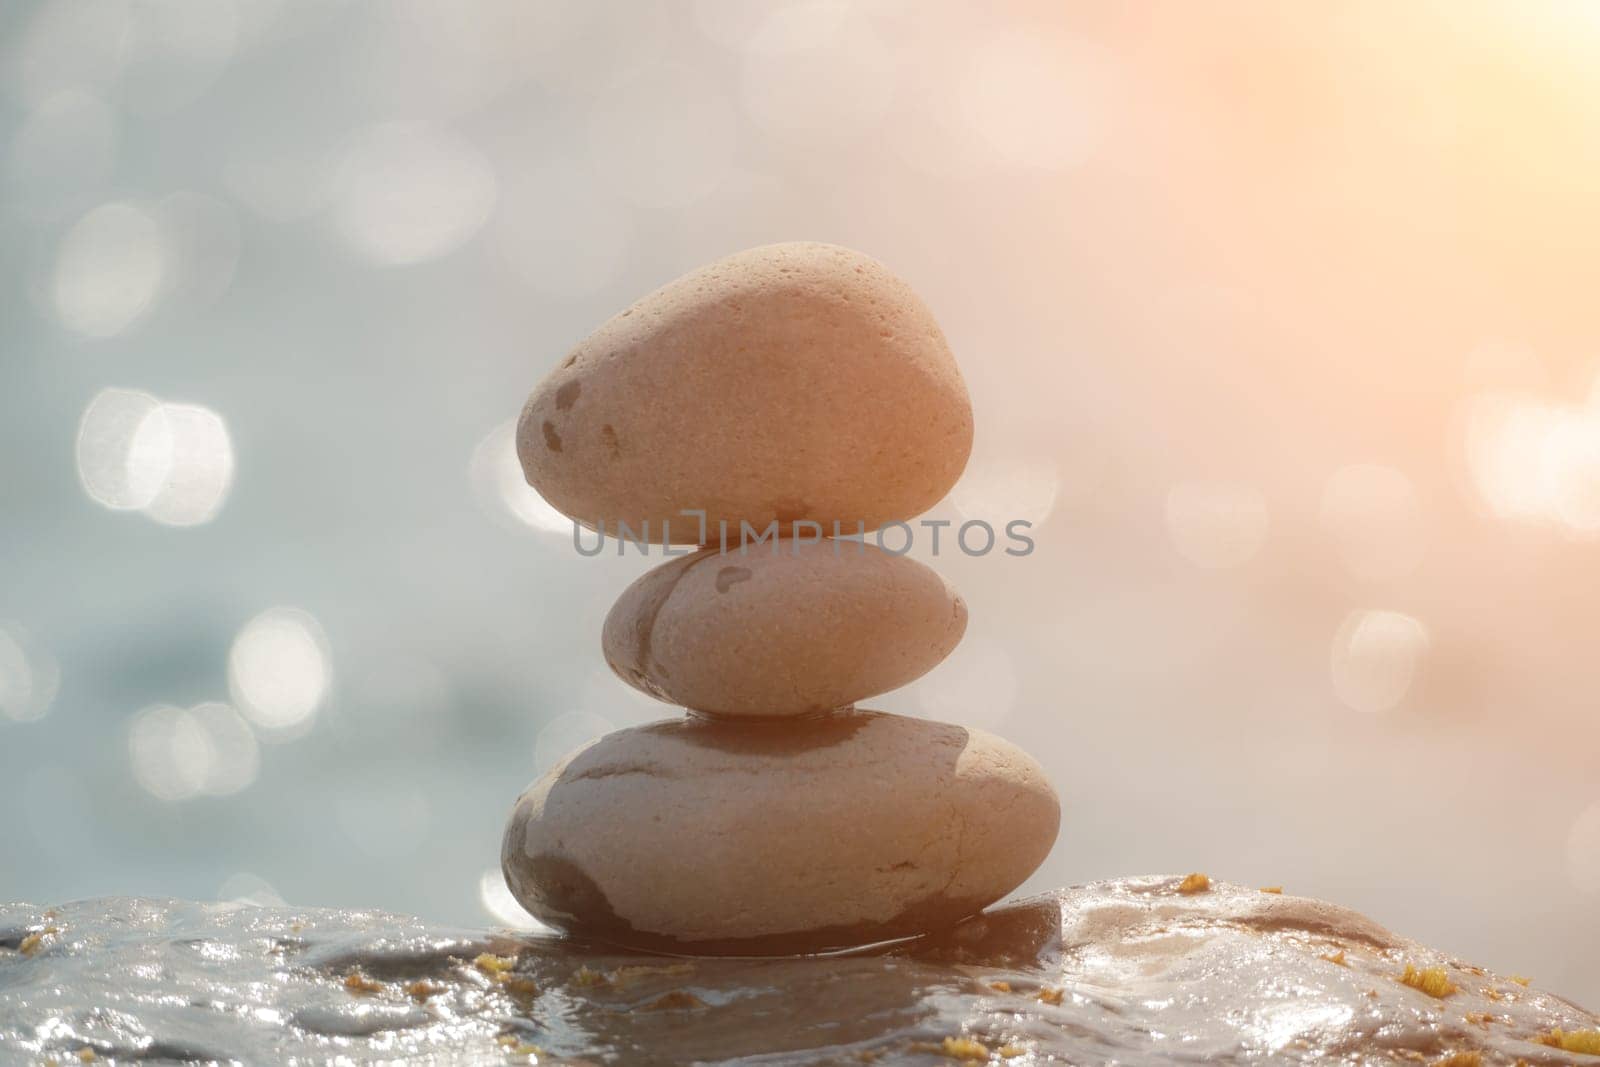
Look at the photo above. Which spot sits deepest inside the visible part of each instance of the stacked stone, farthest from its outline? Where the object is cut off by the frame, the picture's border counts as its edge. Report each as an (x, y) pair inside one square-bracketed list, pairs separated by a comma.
[(750, 407)]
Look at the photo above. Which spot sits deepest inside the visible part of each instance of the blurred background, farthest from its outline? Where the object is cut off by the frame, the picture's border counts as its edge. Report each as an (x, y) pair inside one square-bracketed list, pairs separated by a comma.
[(1279, 322)]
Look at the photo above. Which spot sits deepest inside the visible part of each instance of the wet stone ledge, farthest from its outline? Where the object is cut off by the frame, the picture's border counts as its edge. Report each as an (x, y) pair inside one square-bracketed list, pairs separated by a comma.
[(1135, 971)]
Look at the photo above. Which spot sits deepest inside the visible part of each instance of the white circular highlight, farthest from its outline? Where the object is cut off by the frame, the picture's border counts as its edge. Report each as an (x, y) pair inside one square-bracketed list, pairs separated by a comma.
[(178, 754), (186, 450), (1375, 659), (497, 900), (279, 670), (1570, 471), (1533, 461), (109, 270), (107, 468), (1001, 491), (497, 477)]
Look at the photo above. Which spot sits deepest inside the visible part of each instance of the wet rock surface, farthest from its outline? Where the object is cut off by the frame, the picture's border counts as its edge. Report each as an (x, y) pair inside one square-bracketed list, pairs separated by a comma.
[(1145, 970)]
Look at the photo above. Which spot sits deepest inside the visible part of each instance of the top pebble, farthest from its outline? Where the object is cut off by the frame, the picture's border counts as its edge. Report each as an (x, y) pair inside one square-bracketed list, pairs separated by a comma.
[(787, 383)]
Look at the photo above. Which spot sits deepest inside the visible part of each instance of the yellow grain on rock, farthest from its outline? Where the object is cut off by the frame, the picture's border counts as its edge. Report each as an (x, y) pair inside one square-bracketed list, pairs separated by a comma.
[(1434, 981), (1277, 889), (1584, 1042), (489, 963), (964, 1048), (35, 941), (1194, 883), (361, 985)]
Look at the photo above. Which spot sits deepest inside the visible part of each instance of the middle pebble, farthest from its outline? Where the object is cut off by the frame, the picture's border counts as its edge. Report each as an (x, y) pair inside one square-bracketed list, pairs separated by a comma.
[(786, 627)]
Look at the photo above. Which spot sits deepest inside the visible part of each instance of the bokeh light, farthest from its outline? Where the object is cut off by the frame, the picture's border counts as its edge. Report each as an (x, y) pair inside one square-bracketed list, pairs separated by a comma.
[(251, 889), (109, 271), (1003, 490), (1375, 520), (191, 446), (1376, 657), (29, 676), (1217, 525), (1535, 461), (503, 490), (410, 192), (178, 754), (502, 907), (174, 462), (280, 671), (108, 468)]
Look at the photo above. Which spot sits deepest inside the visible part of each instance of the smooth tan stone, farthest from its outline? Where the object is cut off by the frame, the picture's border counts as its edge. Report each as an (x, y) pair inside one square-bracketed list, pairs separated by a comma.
[(718, 836), (783, 628), (788, 382)]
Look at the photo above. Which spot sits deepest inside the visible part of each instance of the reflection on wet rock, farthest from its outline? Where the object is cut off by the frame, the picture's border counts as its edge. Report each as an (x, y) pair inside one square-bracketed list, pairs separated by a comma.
[(1132, 971)]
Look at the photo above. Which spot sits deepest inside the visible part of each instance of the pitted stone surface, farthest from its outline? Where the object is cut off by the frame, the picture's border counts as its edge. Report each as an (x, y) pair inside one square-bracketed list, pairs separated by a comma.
[(784, 628), (724, 836), (787, 383)]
